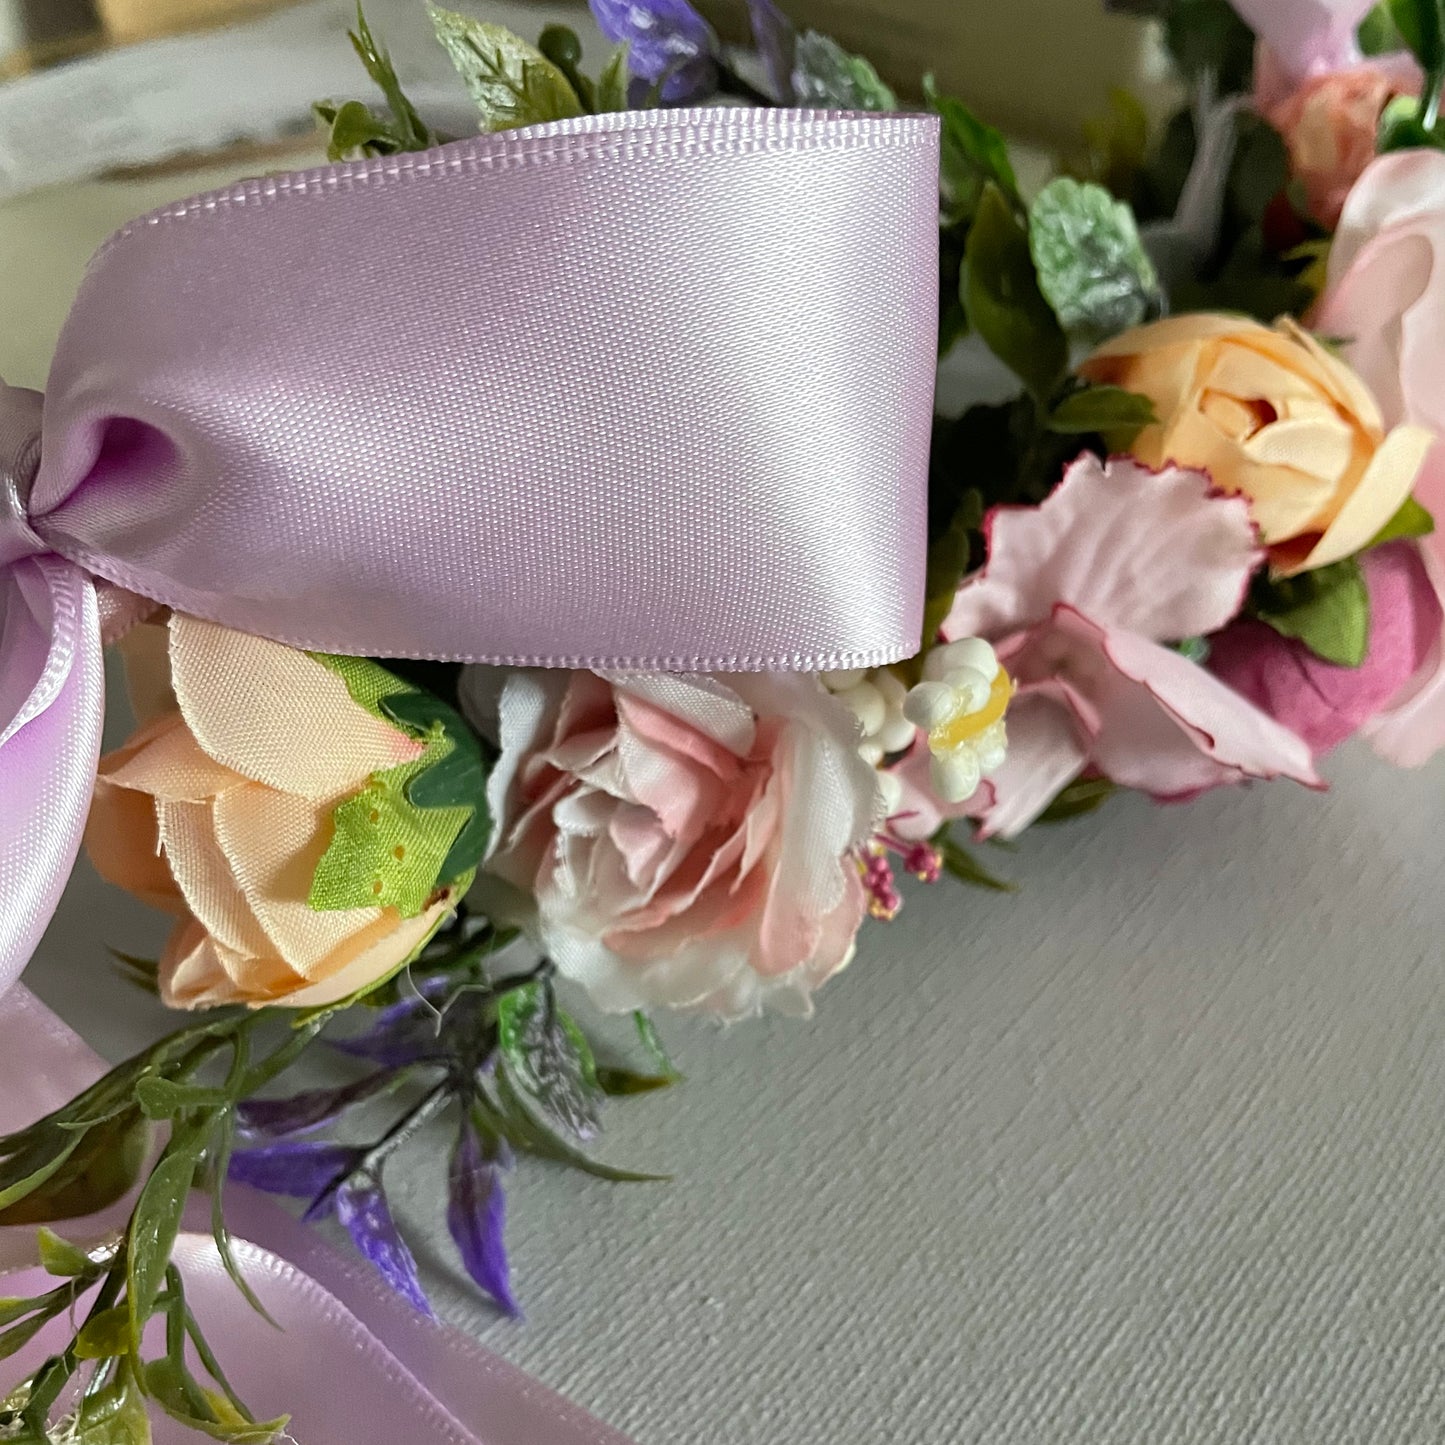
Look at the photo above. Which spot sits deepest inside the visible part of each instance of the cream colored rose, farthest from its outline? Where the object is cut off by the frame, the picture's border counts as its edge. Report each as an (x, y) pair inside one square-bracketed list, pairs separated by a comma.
[(1268, 413), (219, 809)]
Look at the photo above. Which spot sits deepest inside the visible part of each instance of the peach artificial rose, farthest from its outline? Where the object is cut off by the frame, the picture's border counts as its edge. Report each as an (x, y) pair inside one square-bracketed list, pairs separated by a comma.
[(674, 840), (219, 809), (1271, 415)]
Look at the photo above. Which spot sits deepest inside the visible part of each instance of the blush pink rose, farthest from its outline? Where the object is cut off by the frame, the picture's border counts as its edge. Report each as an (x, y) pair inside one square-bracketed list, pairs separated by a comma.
[(1385, 302), (1323, 703), (1080, 597), (683, 841), (1329, 123)]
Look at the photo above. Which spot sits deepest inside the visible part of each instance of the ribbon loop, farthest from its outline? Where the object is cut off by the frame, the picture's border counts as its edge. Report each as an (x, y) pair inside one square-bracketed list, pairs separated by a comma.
[(20, 423)]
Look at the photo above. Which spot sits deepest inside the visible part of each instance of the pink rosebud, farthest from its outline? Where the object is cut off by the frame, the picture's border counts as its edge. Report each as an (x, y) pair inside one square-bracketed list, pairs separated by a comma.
[(1320, 701)]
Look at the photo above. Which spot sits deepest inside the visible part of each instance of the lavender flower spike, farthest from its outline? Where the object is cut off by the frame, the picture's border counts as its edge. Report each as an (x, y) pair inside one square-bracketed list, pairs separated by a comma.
[(776, 40)]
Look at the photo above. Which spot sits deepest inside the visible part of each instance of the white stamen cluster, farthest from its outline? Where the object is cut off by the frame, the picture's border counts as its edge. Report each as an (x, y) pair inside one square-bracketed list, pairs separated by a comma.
[(876, 699), (959, 683)]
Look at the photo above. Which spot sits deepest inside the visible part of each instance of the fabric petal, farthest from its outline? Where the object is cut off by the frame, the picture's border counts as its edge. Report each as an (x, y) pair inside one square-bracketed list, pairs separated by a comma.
[(1047, 750), (1157, 553)]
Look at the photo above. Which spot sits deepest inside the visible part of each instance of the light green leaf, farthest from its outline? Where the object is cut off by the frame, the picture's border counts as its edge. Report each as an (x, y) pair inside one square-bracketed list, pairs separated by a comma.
[(115, 1415), (612, 87), (1091, 266), (161, 1098), (59, 1257), (354, 129), (512, 83), (651, 1041), (549, 1058), (156, 1219), (827, 77), (1108, 410), (1412, 520), (1005, 305), (973, 155), (1328, 610), (408, 130), (105, 1335)]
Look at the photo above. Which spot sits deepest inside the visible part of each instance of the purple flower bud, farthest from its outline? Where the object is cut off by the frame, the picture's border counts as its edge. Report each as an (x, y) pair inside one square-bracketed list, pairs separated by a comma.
[(362, 1209), (477, 1214), (669, 42)]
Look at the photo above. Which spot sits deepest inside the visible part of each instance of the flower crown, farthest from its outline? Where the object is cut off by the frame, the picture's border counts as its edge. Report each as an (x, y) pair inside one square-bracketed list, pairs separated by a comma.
[(546, 541)]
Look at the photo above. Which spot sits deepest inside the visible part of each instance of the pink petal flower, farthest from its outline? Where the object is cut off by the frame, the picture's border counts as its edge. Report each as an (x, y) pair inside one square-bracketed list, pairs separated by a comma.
[(1158, 553), (1308, 37)]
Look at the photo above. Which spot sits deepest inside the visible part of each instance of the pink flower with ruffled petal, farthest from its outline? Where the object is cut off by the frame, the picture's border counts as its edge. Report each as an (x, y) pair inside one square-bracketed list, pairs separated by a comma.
[(682, 841), (1307, 37), (1079, 597), (1385, 301)]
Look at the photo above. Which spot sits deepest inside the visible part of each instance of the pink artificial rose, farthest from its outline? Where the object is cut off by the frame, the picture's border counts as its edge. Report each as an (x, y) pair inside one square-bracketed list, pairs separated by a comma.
[(1329, 124), (1385, 302), (1080, 597), (1306, 37), (683, 841), (1321, 702)]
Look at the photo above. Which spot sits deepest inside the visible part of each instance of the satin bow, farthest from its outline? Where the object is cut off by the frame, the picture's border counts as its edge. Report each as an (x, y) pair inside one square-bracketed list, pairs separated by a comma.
[(638, 390)]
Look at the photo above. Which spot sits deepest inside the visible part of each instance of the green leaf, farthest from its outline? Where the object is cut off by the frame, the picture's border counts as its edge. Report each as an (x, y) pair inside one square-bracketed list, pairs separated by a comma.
[(103, 1165), (518, 1123), (104, 1335), (1401, 129), (59, 1257), (408, 129), (1377, 34), (12, 1309), (827, 77), (1004, 303), (512, 83), (612, 87), (619, 1083), (1328, 610), (115, 1415), (652, 1043), (1421, 24), (1108, 410), (1412, 520), (548, 1058), (26, 1171), (961, 864), (161, 1098), (1208, 36), (354, 129), (18, 1336), (1082, 796), (1090, 263), (973, 155), (156, 1219), (166, 1384), (950, 556)]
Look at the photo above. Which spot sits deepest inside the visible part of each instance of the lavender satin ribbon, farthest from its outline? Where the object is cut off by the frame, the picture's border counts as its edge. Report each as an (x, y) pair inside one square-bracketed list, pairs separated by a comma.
[(351, 1362), (638, 390)]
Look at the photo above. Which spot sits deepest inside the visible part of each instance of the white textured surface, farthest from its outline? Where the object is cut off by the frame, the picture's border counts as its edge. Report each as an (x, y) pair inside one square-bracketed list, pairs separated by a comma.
[(1148, 1154)]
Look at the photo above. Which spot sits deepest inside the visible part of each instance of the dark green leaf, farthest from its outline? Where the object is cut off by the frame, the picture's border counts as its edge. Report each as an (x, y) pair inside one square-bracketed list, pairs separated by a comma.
[(1401, 128), (59, 1257), (973, 155), (1090, 264), (1328, 610), (949, 557), (961, 864), (1077, 799), (156, 1219), (409, 130), (1421, 24), (18, 1336), (25, 1171), (512, 83), (16, 1309), (1004, 303), (548, 1058), (1208, 36), (618, 1083), (1377, 34), (102, 1167), (1108, 410)]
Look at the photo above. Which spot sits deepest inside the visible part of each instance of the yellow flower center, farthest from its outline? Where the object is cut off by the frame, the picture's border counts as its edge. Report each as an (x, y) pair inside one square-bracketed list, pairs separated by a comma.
[(971, 725)]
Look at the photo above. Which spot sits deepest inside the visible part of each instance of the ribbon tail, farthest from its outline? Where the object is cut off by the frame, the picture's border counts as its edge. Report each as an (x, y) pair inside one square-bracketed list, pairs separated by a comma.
[(351, 1363), (52, 708)]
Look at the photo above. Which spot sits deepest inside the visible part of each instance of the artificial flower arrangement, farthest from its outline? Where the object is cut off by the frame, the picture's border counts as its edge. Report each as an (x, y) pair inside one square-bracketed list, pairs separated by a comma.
[(1195, 549)]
